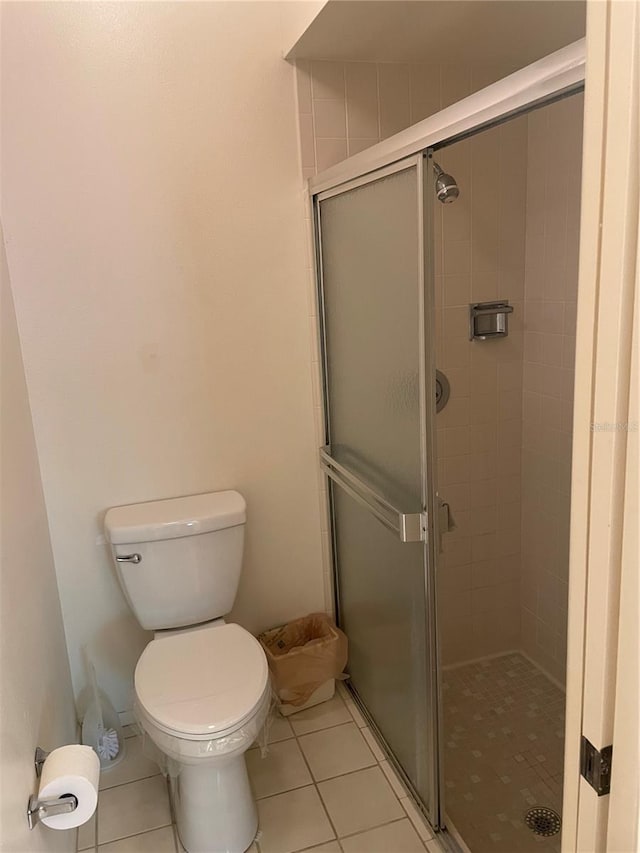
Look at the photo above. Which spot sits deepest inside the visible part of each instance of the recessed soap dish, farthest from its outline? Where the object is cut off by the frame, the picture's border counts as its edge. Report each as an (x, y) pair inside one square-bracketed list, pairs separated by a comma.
[(489, 320)]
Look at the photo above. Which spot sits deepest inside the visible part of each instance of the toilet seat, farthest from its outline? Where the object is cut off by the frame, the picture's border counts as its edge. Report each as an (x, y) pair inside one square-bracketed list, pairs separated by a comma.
[(203, 684)]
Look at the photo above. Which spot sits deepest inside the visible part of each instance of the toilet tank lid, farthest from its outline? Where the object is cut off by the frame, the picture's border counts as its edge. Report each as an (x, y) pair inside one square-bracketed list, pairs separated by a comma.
[(175, 517)]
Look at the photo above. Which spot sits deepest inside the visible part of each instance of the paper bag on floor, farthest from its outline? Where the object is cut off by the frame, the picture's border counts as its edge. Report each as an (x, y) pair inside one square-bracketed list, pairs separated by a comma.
[(303, 655)]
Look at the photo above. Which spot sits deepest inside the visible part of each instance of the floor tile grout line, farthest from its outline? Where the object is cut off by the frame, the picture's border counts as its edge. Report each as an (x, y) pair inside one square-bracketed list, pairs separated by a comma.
[(323, 728), (296, 736), (131, 781), (352, 772), (328, 728), (319, 795), (286, 791), (314, 846), (407, 795), (348, 773), (134, 834), (377, 826), (315, 782), (378, 763)]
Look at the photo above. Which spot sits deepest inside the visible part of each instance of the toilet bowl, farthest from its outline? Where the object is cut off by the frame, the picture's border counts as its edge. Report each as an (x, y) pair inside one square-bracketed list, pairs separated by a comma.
[(202, 690), (202, 697)]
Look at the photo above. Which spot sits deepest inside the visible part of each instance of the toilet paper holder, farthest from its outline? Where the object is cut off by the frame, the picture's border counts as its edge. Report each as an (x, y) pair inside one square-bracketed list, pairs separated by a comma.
[(39, 759), (38, 809)]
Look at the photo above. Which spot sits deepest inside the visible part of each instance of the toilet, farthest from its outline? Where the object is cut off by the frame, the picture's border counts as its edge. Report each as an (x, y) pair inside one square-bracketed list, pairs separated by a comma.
[(202, 690)]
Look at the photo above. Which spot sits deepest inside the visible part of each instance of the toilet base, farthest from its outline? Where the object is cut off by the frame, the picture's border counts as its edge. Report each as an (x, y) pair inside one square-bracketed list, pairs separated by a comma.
[(215, 809)]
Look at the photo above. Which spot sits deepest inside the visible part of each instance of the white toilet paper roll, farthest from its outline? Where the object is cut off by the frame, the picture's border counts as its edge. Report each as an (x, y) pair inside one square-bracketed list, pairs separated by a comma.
[(72, 770)]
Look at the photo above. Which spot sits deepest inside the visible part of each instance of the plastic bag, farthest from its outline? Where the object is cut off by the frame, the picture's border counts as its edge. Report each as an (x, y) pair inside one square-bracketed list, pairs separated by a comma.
[(303, 655), (171, 752)]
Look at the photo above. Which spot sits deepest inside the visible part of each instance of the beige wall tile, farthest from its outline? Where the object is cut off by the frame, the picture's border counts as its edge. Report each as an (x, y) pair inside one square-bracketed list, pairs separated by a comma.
[(425, 91), (362, 100), (393, 90), (482, 494), (550, 317), (354, 146), (303, 85), (457, 549), (307, 142), (330, 119), (457, 291), (329, 152), (459, 381), (457, 258), (455, 84), (362, 81), (327, 80), (455, 441), (456, 469), (455, 413)]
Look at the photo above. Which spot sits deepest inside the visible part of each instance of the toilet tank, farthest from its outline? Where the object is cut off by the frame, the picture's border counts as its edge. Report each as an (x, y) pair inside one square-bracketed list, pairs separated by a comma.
[(185, 557)]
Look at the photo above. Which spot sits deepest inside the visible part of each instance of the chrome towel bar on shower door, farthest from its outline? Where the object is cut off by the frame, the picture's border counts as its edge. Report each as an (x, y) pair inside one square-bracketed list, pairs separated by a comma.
[(410, 526)]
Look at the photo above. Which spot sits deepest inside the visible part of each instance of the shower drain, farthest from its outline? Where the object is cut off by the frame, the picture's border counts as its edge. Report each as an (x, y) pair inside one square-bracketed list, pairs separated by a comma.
[(543, 821)]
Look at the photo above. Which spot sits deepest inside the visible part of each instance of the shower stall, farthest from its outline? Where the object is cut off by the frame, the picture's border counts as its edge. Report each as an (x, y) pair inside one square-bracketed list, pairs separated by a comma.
[(449, 516)]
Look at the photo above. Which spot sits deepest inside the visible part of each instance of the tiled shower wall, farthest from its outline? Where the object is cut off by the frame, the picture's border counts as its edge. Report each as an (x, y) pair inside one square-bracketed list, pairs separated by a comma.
[(551, 288), (480, 256), (345, 107), (481, 247)]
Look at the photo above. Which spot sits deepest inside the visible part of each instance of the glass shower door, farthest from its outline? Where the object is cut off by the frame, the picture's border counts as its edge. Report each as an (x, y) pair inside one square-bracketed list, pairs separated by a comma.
[(377, 357)]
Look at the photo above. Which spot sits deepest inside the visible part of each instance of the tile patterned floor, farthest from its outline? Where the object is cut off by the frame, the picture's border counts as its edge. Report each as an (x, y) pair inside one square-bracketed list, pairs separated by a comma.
[(324, 787), (504, 734)]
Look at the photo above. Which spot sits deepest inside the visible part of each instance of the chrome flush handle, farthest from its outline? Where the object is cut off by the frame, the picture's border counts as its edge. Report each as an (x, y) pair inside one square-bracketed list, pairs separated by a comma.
[(128, 558)]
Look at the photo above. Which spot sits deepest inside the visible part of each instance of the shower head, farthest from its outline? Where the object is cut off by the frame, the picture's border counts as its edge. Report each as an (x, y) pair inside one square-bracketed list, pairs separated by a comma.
[(447, 189)]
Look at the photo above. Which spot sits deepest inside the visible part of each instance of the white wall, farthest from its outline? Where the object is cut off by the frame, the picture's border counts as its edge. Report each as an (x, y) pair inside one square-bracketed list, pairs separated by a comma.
[(152, 205), (36, 704)]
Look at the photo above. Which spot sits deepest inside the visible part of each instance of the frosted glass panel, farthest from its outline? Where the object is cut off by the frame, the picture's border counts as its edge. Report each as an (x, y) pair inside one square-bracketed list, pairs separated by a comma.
[(382, 607), (371, 264)]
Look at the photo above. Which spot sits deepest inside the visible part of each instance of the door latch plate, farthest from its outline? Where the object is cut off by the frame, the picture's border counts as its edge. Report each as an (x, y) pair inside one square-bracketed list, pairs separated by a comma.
[(595, 766)]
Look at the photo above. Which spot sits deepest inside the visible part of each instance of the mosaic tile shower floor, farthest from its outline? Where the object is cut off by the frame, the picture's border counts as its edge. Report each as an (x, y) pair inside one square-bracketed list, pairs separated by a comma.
[(504, 746)]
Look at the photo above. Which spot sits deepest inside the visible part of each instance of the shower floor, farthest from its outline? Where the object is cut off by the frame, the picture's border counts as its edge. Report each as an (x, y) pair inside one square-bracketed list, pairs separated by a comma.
[(504, 745)]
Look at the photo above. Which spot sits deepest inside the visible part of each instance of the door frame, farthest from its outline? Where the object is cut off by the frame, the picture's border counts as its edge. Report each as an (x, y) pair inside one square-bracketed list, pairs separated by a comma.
[(604, 492)]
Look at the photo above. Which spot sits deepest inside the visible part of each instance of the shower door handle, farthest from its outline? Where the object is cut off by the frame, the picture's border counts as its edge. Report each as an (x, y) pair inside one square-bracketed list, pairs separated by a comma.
[(409, 526)]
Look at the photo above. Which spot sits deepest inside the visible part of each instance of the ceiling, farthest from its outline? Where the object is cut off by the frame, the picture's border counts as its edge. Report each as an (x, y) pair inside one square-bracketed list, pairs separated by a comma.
[(509, 32)]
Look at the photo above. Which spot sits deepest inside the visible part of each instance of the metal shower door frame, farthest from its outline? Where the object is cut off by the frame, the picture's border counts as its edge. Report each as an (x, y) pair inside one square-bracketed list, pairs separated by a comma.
[(422, 164)]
